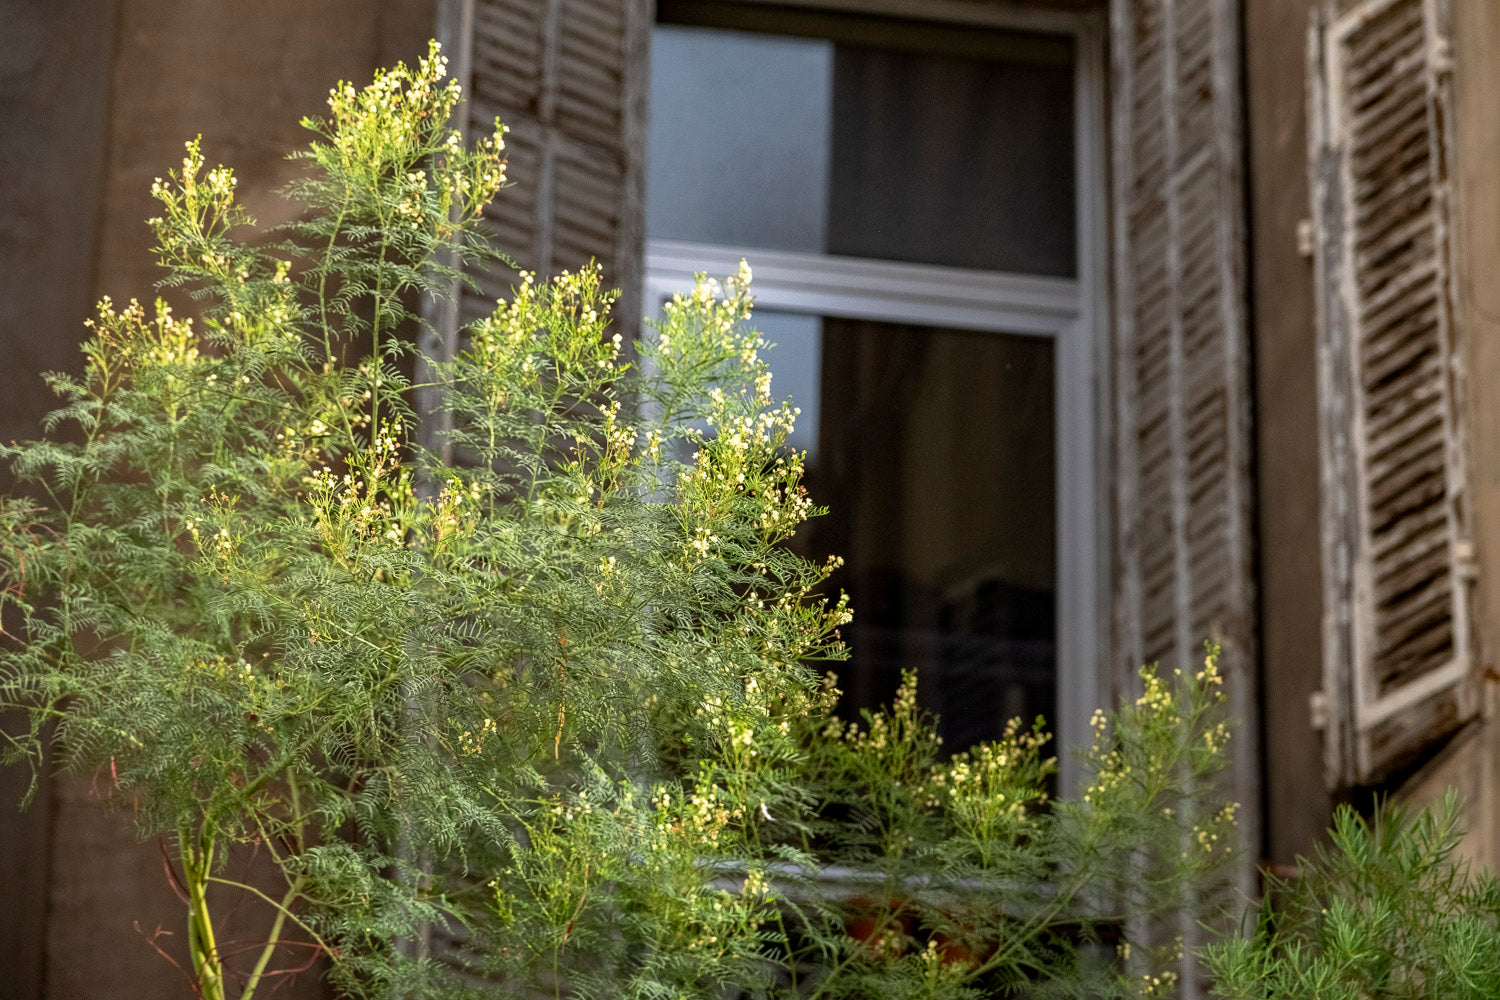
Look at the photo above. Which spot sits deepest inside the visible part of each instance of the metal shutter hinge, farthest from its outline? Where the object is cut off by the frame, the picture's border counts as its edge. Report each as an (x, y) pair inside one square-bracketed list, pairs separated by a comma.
[(1464, 558), (1317, 709), (1440, 56)]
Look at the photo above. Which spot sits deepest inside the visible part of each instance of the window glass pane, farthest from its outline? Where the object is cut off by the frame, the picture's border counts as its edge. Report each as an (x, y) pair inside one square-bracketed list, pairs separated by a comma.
[(738, 140), (796, 370), (863, 137), (949, 160), (935, 452)]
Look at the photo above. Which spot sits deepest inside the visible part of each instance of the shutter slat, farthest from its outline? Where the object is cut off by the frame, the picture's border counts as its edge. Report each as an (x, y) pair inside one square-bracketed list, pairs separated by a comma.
[(1393, 33), (1408, 485), (512, 215), (1423, 566), (1403, 529), (1390, 222), (1416, 425), (592, 57), (1193, 31), (1390, 122), (1410, 633), (604, 20), (1382, 292), (1405, 355), (506, 54), (1383, 72)]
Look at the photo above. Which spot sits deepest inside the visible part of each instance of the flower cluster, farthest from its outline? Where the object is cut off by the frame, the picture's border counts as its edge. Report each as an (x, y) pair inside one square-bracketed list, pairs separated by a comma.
[(700, 816), (198, 212), (371, 126), (472, 744), (711, 314), (375, 499)]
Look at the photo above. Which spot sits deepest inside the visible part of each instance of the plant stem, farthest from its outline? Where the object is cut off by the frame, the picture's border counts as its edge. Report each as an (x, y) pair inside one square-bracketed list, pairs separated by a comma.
[(831, 976), (203, 950), (272, 940), (323, 269), (375, 355), (306, 929)]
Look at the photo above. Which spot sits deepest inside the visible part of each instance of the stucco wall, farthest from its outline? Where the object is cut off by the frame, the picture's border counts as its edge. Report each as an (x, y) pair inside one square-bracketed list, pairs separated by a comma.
[(54, 85), (242, 74), (96, 99), (1286, 422)]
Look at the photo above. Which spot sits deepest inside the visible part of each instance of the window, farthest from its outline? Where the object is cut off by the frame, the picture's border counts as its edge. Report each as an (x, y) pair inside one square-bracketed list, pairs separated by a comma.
[(914, 198)]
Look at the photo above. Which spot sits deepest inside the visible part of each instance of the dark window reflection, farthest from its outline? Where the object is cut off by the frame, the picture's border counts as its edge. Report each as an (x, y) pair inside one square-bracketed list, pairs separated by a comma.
[(934, 450), (952, 160)]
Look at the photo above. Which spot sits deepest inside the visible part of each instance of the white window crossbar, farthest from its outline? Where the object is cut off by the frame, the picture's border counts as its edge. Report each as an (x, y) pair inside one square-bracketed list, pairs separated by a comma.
[(888, 291)]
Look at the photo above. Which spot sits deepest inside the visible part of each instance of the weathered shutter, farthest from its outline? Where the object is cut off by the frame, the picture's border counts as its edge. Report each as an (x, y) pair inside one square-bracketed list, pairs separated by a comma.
[(1182, 476), (569, 78), (1397, 659)]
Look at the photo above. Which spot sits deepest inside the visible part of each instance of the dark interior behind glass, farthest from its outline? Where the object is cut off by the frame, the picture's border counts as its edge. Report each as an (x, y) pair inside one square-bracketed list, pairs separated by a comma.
[(935, 451)]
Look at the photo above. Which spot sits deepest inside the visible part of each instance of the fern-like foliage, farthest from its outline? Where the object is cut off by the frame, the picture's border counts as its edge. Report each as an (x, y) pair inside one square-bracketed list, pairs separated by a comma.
[(1386, 910), (545, 717)]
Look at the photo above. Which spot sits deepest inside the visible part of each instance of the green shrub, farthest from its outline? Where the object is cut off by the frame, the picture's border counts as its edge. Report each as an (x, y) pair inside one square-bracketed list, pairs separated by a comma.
[(1386, 912), (546, 713)]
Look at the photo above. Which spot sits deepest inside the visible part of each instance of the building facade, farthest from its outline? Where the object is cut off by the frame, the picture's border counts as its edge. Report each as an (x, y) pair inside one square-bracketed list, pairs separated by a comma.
[(1117, 326)]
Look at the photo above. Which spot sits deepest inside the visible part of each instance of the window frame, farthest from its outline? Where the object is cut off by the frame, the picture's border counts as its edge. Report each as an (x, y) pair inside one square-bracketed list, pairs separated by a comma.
[(1072, 312)]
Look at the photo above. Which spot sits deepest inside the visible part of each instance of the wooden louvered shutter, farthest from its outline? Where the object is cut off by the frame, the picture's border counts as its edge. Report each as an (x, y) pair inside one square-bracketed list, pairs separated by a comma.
[(568, 77), (1397, 659), (1182, 437)]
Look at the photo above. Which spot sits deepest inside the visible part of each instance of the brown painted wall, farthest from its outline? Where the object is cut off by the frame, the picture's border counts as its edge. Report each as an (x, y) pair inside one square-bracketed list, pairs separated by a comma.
[(1472, 764), (242, 74), (96, 99), (1282, 316), (54, 90), (54, 87)]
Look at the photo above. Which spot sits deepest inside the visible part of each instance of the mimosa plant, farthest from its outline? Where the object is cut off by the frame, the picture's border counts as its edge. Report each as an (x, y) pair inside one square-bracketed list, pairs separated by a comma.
[(545, 714)]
